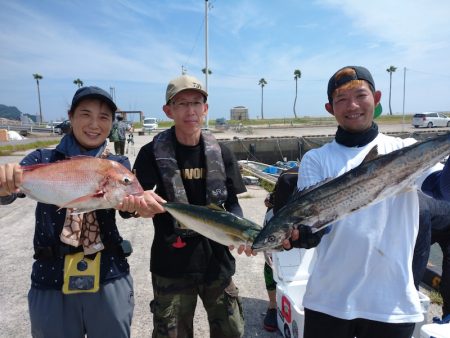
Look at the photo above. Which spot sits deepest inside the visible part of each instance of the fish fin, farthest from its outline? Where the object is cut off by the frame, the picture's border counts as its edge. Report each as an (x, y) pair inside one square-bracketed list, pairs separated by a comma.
[(297, 194), (373, 154), (98, 194), (76, 211), (32, 167), (214, 207)]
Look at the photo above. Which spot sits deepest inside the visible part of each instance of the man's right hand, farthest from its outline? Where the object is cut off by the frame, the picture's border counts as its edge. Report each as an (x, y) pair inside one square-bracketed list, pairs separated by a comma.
[(287, 243), (10, 178)]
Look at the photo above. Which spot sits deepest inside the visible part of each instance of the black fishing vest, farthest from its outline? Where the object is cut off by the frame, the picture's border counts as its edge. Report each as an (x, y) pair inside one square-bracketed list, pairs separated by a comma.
[(165, 155)]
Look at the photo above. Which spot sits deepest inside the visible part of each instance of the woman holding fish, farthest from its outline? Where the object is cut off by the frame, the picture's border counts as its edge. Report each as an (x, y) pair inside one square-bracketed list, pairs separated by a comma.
[(80, 280)]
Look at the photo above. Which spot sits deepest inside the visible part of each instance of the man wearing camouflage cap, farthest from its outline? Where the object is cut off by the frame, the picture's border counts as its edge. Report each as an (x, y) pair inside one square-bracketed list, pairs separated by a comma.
[(188, 165)]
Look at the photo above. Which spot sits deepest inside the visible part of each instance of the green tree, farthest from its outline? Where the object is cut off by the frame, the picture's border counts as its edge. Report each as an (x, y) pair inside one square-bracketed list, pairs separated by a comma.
[(262, 83), (297, 75), (38, 77), (390, 70), (78, 82)]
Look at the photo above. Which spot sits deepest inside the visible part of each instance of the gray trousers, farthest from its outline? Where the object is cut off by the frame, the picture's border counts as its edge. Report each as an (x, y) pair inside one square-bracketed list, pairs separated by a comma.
[(106, 313)]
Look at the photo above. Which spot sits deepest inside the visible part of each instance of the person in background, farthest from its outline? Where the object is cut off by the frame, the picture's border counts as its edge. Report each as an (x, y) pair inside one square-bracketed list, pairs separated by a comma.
[(434, 227), (285, 186), (188, 165), (56, 308), (122, 128), (362, 283)]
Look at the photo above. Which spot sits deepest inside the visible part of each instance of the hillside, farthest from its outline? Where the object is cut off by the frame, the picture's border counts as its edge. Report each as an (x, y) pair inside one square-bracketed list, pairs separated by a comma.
[(12, 113)]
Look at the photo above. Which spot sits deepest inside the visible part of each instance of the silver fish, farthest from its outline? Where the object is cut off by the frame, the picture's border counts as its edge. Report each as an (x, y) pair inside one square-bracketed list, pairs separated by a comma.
[(219, 225), (377, 178)]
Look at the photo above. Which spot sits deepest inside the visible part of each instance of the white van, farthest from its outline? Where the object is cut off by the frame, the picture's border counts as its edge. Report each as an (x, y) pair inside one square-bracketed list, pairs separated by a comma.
[(150, 123)]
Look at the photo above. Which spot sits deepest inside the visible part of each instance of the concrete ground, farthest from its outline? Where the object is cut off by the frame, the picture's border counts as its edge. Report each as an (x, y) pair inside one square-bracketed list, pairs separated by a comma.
[(16, 233)]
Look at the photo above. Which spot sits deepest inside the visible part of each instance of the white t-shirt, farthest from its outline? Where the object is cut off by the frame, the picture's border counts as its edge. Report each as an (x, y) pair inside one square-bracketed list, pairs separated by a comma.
[(364, 265)]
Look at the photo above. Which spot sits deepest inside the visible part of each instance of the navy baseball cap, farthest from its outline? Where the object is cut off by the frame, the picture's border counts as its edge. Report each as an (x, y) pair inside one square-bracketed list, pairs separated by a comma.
[(361, 73), (93, 93)]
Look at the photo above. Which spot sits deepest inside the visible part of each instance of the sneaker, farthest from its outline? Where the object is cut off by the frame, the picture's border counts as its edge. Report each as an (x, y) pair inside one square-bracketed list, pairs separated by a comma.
[(270, 320)]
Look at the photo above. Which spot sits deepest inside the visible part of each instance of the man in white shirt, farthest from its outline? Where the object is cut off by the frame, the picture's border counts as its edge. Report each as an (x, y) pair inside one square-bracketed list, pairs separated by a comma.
[(362, 284)]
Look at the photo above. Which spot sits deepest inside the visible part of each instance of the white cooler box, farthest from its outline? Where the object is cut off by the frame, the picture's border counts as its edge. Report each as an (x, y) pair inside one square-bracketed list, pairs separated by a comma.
[(291, 270), (293, 265), (425, 305), (291, 315), (435, 330)]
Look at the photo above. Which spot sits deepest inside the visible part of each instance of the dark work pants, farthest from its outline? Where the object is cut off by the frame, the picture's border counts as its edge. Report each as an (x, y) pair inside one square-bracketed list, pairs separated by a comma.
[(443, 239), (422, 248), (320, 325), (119, 147), (425, 238)]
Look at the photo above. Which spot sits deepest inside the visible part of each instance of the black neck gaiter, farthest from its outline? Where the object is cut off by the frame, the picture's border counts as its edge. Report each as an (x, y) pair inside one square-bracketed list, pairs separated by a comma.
[(356, 139)]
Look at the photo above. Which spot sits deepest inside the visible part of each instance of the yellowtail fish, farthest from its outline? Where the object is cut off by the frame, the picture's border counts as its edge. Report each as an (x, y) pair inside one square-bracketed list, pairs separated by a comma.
[(219, 225)]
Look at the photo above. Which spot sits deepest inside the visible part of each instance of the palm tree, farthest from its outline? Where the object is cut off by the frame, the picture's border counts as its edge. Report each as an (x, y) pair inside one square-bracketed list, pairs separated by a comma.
[(262, 83), (78, 82), (297, 75), (38, 77), (390, 70), (204, 71)]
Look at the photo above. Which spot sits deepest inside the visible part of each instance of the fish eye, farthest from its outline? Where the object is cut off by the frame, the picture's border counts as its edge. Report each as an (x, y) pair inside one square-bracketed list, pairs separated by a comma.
[(271, 238), (126, 180)]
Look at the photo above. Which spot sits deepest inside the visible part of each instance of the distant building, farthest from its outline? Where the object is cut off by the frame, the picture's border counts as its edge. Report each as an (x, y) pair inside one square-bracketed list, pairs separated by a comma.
[(239, 113), (125, 114)]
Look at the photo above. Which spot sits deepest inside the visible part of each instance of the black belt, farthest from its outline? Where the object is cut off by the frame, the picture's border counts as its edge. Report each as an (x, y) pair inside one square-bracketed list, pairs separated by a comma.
[(54, 252)]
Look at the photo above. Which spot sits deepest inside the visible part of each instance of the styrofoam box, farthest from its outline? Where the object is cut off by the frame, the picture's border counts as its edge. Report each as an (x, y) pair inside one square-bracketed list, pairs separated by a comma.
[(293, 265), (290, 312)]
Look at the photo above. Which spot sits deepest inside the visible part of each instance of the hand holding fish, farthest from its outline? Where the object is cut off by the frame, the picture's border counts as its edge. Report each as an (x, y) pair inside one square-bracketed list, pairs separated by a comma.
[(288, 243), (10, 178), (147, 205), (243, 248)]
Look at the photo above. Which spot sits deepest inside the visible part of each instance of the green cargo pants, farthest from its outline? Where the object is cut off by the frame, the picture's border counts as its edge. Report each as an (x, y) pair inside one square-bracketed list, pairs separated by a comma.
[(174, 303)]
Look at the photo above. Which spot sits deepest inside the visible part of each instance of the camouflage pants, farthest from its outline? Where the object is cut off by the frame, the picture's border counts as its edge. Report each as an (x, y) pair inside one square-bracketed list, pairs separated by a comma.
[(174, 303)]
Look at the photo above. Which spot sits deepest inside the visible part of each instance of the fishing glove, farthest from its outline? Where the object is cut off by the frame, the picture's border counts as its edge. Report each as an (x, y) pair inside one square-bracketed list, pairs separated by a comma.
[(307, 239)]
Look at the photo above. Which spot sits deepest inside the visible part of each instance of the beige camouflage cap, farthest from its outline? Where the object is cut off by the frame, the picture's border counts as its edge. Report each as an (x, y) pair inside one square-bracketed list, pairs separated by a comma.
[(184, 82)]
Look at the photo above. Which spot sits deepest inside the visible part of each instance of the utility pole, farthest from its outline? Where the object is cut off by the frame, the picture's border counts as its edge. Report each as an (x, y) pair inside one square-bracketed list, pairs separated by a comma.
[(112, 92), (404, 93), (206, 57)]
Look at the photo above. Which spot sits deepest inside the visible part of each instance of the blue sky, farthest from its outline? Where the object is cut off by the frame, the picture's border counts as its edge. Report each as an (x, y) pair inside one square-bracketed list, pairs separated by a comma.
[(136, 47)]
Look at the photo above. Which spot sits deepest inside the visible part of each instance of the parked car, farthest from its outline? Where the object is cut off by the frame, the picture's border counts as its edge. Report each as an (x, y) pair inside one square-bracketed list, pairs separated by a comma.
[(63, 127), (222, 124), (149, 124), (430, 120)]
